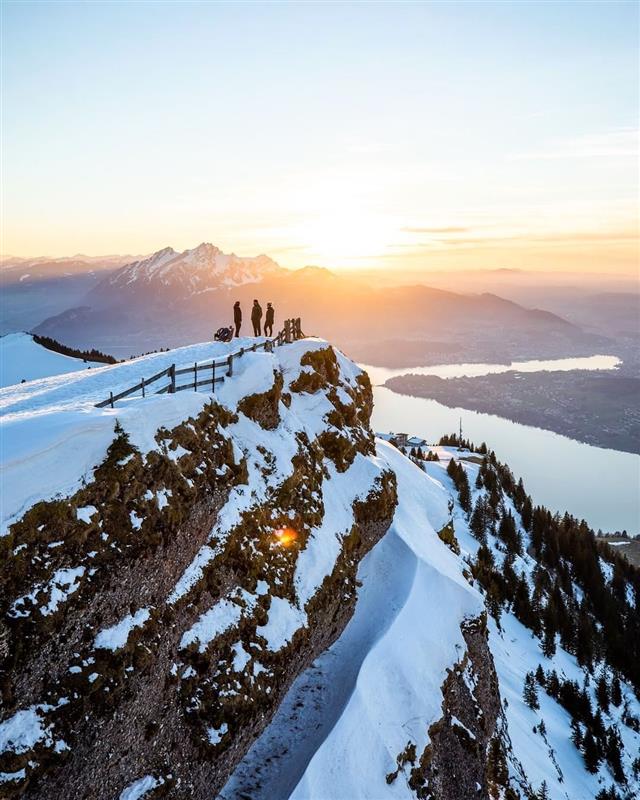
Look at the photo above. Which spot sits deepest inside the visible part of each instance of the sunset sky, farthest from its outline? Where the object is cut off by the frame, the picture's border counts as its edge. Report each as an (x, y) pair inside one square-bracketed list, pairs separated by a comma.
[(416, 135)]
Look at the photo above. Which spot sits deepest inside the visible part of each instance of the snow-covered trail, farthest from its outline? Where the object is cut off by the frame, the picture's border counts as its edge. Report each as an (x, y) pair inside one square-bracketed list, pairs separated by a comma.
[(278, 759)]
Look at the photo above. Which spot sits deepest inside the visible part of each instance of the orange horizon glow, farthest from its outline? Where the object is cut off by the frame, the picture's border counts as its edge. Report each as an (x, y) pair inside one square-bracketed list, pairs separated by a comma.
[(334, 245), (490, 136)]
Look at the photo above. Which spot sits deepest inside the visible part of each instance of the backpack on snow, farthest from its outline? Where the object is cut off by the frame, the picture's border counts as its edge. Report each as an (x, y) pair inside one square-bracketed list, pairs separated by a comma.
[(223, 335)]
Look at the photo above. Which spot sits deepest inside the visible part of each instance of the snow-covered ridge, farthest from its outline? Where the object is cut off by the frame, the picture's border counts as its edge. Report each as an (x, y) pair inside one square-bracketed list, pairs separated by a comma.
[(150, 594), (255, 448)]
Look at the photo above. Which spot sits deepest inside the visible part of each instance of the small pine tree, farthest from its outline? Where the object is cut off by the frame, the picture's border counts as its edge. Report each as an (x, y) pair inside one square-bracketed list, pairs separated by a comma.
[(540, 676), (553, 684), (494, 601), (576, 733), (530, 692), (590, 753), (602, 693), (616, 691), (478, 522), (613, 753), (464, 491), (549, 642)]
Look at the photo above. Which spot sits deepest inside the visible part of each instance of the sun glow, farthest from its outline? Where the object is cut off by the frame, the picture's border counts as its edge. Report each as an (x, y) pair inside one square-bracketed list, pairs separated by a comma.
[(341, 238), (285, 536)]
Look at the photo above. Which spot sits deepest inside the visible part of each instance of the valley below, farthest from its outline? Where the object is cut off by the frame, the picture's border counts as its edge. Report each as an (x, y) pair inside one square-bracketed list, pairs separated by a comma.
[(597, 408)]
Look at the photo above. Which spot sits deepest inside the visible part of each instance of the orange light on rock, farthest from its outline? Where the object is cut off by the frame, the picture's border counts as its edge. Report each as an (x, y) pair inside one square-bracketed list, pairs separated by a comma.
[(285, 536)]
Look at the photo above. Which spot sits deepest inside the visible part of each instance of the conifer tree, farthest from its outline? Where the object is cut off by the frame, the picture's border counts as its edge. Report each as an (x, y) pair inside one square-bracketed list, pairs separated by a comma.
[(553, 684), (590, 753), (613, 753), (478, 523), (550, 629), (602, 693), (530, 692), (597, 726), (576, 733), (584, 639), (616, 691), (494, 601), (464, 491)]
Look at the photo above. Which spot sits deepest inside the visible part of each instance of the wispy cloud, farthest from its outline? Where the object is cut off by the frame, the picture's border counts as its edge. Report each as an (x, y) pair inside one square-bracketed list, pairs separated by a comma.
[(620, 143), (569, 238), (436, 230)]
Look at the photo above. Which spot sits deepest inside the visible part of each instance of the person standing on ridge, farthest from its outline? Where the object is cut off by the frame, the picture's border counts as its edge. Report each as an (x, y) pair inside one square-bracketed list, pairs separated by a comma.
[(256, 318), (237, 317), (268, 320)]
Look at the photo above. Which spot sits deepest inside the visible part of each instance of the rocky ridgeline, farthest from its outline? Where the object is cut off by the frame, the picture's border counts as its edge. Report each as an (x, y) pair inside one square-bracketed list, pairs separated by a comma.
[(151, 622)]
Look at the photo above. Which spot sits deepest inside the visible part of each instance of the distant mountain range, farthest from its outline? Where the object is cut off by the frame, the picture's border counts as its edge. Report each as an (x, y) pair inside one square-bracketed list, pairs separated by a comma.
[(171, 275), (173, 298)]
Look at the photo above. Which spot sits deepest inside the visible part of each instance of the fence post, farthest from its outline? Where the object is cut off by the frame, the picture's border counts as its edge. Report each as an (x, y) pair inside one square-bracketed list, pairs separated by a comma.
[(299, 327), (287, 330), (143, 387), (213, 376), (172, 375), (111, 398), (230, 362)]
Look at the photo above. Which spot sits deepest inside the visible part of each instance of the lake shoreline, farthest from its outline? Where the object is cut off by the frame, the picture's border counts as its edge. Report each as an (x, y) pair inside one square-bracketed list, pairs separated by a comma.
[(596, 484), (596, 408)]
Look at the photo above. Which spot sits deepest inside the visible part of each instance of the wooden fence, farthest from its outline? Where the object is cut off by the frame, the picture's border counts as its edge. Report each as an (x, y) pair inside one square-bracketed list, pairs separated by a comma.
[(206, 374)]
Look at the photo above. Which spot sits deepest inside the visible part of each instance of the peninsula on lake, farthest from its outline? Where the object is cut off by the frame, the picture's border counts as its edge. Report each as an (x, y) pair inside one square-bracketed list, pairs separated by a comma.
[(593, 407)]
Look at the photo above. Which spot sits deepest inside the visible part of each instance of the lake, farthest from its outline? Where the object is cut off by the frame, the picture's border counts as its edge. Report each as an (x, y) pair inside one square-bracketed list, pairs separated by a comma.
[(379, 375), (601, 486)]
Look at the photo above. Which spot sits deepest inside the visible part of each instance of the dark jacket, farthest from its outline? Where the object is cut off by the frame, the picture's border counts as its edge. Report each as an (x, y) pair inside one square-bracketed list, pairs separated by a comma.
[(256, 313), (268, 319), (237, 314)]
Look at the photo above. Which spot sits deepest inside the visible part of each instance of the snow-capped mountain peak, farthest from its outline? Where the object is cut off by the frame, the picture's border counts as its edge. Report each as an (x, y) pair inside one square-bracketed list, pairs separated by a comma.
[(200, 269)]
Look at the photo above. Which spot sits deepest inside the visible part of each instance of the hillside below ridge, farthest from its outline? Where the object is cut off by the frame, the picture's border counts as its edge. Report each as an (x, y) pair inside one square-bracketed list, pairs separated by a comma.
[(184, 573)]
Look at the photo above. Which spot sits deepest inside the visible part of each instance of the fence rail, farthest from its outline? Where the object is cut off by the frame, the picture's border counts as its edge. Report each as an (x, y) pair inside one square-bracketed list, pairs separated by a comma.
[(207, 374)]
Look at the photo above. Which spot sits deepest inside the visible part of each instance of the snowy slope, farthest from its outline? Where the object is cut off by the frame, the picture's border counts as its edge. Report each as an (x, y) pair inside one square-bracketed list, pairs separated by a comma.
[(22, 358), (380, 684)]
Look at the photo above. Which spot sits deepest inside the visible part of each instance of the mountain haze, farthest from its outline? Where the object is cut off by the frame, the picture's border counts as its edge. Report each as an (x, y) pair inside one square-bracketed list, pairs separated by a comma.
[(171, 299)]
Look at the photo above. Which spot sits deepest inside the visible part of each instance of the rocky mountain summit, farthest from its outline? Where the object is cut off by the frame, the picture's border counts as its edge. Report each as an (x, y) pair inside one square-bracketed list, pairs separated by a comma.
[(249, 594)]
